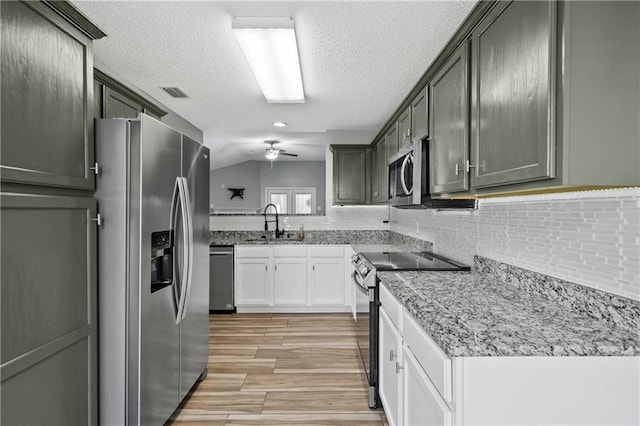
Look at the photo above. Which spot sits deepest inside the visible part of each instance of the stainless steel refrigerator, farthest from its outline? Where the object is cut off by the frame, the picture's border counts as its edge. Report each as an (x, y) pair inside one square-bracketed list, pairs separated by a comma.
[(153, 262)]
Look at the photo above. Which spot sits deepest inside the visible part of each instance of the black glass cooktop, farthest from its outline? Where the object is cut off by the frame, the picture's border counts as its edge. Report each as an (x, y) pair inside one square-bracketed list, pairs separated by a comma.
[(417, 261)]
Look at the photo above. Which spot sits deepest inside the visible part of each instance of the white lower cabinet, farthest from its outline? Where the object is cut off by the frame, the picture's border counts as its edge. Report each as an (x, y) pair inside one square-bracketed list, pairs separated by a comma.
[(255, 279), (433, 389), (327, 281), (326, 275), (390, 371), (290, 278), (422, 404)]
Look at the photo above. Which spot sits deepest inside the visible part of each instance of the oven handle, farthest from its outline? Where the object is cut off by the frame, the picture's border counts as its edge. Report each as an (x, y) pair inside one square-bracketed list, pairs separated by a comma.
[(369, 292), (359, 284)]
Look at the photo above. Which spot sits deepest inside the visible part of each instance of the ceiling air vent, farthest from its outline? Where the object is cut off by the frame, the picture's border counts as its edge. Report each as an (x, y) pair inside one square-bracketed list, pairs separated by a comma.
[(175, 92)]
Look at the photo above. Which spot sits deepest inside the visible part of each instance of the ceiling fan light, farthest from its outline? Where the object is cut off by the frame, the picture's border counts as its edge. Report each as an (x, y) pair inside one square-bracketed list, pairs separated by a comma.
[(269, 44), (271, 155)]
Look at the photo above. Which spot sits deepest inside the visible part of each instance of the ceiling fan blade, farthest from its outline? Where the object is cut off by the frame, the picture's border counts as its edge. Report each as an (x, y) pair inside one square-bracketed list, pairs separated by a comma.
[(290, 155)]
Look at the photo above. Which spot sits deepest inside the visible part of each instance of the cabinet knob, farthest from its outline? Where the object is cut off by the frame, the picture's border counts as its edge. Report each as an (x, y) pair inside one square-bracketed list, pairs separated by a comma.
[(399, 367)]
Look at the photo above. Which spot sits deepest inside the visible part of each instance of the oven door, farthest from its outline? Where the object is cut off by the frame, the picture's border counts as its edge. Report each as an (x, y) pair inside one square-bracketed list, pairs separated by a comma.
[(366, 319)]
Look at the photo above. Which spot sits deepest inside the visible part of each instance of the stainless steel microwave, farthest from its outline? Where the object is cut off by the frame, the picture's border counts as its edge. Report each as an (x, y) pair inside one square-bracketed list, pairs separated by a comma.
[(409, 181), (404, 178)]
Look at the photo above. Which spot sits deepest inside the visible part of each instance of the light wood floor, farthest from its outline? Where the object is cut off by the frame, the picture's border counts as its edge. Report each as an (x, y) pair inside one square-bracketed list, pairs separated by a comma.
[(274, 369)]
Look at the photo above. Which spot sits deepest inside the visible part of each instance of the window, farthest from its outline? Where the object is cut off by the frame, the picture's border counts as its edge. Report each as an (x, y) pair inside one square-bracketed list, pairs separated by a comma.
[(292, 200)]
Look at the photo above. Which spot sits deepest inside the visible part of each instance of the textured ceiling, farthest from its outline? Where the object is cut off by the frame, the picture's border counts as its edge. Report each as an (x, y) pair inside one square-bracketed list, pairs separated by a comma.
[(359, 59)]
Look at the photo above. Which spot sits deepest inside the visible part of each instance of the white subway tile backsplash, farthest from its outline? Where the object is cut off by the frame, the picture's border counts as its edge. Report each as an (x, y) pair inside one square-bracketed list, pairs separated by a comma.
[(591, 238)]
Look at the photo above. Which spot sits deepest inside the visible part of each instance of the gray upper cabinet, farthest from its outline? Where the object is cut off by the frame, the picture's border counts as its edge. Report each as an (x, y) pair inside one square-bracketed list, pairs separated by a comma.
[(115, 100), (47, 99), (532, 97), (380, 170), (449, 124), (116, 105), (513, 70), (392, 140), (419, 116), (349, 174), (404, 129)]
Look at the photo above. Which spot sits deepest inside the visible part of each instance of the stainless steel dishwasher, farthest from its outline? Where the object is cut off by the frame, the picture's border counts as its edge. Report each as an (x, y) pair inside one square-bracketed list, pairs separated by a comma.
[(221, 279)]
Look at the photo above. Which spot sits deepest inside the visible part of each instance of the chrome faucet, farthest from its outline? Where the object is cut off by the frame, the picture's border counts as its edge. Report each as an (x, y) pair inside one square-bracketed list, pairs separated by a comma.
[(278, 233)]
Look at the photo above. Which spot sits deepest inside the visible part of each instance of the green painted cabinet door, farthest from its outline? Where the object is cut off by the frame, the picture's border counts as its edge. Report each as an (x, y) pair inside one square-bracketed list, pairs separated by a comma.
[(419, 116), (404, 129), (513, 51), (383, 171), (379, 167), (47, 99), (117, 105), (449, 125), (48, 273), (349, 174), (392, 140)]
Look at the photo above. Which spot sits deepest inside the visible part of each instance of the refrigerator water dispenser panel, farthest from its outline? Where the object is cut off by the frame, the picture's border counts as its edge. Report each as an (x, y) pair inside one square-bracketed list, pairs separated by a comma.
[(161, 260)]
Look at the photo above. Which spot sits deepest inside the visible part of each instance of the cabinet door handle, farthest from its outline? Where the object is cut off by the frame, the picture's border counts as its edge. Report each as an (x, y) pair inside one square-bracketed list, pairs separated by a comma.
[(399, 367), (392, 355), (275, 267), (313, 267), (266, 267), (468, 167)]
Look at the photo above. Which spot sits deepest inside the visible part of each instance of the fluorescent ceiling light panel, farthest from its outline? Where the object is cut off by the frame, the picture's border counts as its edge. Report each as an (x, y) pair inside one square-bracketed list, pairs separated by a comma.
[(269, 44)]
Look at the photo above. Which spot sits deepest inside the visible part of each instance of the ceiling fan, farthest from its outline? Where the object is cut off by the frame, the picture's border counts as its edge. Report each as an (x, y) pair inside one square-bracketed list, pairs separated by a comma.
[(272, 153)]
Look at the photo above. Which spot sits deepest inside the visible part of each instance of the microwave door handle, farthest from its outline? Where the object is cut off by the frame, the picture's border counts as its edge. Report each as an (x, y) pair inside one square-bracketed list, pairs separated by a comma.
[(402, 175)]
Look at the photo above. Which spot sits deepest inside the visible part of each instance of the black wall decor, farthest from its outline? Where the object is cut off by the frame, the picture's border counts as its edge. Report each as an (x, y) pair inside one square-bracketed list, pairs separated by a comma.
[(237, 192)]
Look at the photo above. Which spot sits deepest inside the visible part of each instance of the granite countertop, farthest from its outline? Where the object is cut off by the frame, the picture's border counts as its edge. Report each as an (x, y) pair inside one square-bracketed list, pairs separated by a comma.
[(367, 248), (360, 240), (475, 314)]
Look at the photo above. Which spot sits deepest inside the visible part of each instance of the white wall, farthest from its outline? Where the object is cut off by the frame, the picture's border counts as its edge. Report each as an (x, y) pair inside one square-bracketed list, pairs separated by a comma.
[(591, 238), (243, 175)]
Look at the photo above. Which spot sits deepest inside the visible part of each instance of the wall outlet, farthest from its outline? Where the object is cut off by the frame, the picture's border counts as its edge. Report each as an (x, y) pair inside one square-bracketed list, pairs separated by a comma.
[(417, 227), (222, 186)]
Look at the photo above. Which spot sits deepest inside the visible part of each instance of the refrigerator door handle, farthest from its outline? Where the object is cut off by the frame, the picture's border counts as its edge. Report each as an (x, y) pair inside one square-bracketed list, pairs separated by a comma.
[(187, 238), (190, 246), (177, 272)]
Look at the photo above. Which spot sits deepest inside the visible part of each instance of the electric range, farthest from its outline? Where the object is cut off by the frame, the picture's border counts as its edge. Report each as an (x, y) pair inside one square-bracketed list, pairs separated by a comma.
[(367, 303)]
